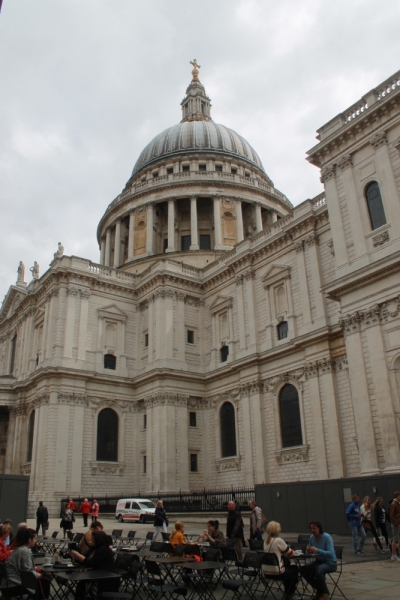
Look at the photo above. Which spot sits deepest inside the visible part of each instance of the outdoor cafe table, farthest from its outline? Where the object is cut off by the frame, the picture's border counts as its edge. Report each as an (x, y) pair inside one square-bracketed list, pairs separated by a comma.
[(52, 544), (203, 587), (170, 562), (91, 577)]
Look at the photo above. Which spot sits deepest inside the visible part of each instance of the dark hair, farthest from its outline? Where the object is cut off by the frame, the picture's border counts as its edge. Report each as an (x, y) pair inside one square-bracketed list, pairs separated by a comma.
[(96, 524), (24, 535), (7, 522), (354, 496), (317, 524), (214, 523), (100, 538), (66, 504)]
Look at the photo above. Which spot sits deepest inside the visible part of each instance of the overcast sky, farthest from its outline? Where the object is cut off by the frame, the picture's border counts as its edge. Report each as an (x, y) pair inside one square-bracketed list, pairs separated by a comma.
[(86, 84)]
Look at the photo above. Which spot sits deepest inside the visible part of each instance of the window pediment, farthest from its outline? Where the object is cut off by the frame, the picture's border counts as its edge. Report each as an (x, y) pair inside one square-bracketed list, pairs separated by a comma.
[(220, 303), (276, 273), (112, 312)]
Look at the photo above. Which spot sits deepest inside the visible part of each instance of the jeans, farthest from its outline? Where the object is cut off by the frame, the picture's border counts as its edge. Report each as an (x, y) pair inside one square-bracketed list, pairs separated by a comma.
[(43, 526), (314, 574), (358, 534), (158, 529)]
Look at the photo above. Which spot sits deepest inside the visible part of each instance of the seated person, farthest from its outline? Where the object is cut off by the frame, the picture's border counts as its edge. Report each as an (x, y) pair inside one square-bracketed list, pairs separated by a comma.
[(213, 534), (5, 531), (87, 542), (100, 557), (177, 537), (21, 559), (320, 544), (287, 572)]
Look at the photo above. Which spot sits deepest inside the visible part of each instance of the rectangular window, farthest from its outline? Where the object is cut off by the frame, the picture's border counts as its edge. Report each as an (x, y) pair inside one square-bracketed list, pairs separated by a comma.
[(234, 170), (155, 174), (144, 421), (144, 464), (218, 168), (146, 340), (165, 244), (186, 241), (246, 174), (205, 242), (190, 336), (224, 351), (193, 419), (170, 170), (193, 463), (185, 168), (202, 168)]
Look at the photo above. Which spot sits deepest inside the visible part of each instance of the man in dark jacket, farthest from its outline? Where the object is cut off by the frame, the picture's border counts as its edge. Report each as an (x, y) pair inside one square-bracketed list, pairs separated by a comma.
[(42, 519), (234, 528), (160, 520)]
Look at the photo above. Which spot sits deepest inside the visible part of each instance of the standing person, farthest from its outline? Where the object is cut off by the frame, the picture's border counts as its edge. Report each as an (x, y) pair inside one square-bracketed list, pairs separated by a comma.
[(255, 521), (67, 519), (353, 514), (160, 519), (274, 544), (85, 510), (72, 504), (234, 528), (380, 516), (366, 511), (394, 513), (42, 518), (321, 544), (95, 510)]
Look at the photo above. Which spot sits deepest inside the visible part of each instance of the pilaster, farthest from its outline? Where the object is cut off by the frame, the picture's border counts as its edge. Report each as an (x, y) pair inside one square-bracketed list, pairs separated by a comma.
[(328, 178), (193, 224)]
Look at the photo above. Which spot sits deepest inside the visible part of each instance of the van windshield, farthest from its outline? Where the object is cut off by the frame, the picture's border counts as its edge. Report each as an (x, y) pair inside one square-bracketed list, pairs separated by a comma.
[(147, 504)]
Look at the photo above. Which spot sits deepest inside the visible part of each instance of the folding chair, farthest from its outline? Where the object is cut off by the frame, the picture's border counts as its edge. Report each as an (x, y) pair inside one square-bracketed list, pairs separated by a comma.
[(303, 538), (249, 582), (54, 534), (157, 588), (230, 558), (148, 538), (8, 588), (31, 583), (131, 538), (157, 547), (271, 560), (116, 535), (256, 545), (77, 537), (336, 575), (165, 536)]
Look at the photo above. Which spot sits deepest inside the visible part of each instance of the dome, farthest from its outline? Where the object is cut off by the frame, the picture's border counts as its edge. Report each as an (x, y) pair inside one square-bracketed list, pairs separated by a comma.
[(197, 136)]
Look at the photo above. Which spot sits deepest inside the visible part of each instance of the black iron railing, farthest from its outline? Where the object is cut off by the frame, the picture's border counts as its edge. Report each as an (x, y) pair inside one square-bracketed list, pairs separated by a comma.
[(179, 502)]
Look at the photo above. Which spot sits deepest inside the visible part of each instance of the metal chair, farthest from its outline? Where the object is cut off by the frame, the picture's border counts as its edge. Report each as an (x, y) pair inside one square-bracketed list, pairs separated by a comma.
[(256, 545), (230, 558), (271, 560), (157, 547), (8, 588), (165, 536), (303, 538), (54, 534), (116, 535), (157, 588), (336, 575)]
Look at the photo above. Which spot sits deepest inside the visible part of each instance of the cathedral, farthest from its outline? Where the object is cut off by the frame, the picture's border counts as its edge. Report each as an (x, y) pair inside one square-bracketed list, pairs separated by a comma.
[(224, 337)]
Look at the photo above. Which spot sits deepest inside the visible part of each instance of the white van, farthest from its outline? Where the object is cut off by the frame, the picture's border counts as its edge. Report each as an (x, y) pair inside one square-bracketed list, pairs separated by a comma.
[(135, 509)]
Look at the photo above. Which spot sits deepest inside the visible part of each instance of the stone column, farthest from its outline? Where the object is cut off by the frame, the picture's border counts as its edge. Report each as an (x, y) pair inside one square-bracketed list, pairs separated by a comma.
[(360, 396), (247, 448), (171, 225), (318, 436), (83, 324), (102, 250), (182, 442), (117, 243), (332, 418), (131, 236), (239, 221), (194, 236), (70, 321), (258, 432), (251, 308), (49, 342), (302, 276), (240, 307), (312, 242), (217, 224), (332, 199), (259, 225), (149, 229), (107, 260), (180, 326), (150, 332), (78, 436), (346, 167), (274, 216)]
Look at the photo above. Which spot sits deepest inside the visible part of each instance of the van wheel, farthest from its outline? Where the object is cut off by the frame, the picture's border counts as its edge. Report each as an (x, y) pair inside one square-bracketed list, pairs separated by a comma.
[(120, 519), (141, 519)]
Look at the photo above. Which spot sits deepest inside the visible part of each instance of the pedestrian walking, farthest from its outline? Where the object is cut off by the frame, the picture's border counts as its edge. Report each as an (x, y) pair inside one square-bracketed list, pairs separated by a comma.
[(67, 519), (234, 528), (85, 509), (95, 510), (394, 513), (380, 515), (366, 511), (255, 521), (354, 517), (42, 519), (160, 520)]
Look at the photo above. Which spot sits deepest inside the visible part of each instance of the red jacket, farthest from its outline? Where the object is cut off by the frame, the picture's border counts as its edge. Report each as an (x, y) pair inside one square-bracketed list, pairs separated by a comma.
[(84, 508), (95, 509), (4, 552), (72, 505)]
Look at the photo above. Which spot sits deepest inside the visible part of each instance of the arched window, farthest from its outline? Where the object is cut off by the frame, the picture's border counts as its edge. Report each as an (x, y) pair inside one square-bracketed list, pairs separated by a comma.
[(283, 329), (375, 205), (31, 429), (290, 417), (228, 430), (110, 361), (107, 435)]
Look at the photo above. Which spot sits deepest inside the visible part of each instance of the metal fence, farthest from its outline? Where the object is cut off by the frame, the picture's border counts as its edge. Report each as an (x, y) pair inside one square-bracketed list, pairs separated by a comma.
[(180, 502)]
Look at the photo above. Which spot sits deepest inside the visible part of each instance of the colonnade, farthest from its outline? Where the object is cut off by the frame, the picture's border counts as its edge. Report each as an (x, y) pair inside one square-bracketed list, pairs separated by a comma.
[(105, 248)]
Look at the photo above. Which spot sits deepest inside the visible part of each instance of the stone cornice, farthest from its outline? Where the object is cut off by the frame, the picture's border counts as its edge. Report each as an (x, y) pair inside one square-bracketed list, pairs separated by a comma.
[(374, 315), (163, 398)]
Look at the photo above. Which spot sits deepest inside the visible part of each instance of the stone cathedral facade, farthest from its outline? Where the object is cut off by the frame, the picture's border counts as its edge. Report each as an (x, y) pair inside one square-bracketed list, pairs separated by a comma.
[(224, 337)]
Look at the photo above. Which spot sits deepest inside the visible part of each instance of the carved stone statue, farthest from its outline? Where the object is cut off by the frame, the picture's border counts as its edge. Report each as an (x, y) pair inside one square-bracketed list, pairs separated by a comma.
[(195, 72), (35, 270), (60, 251), (21, 272)]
